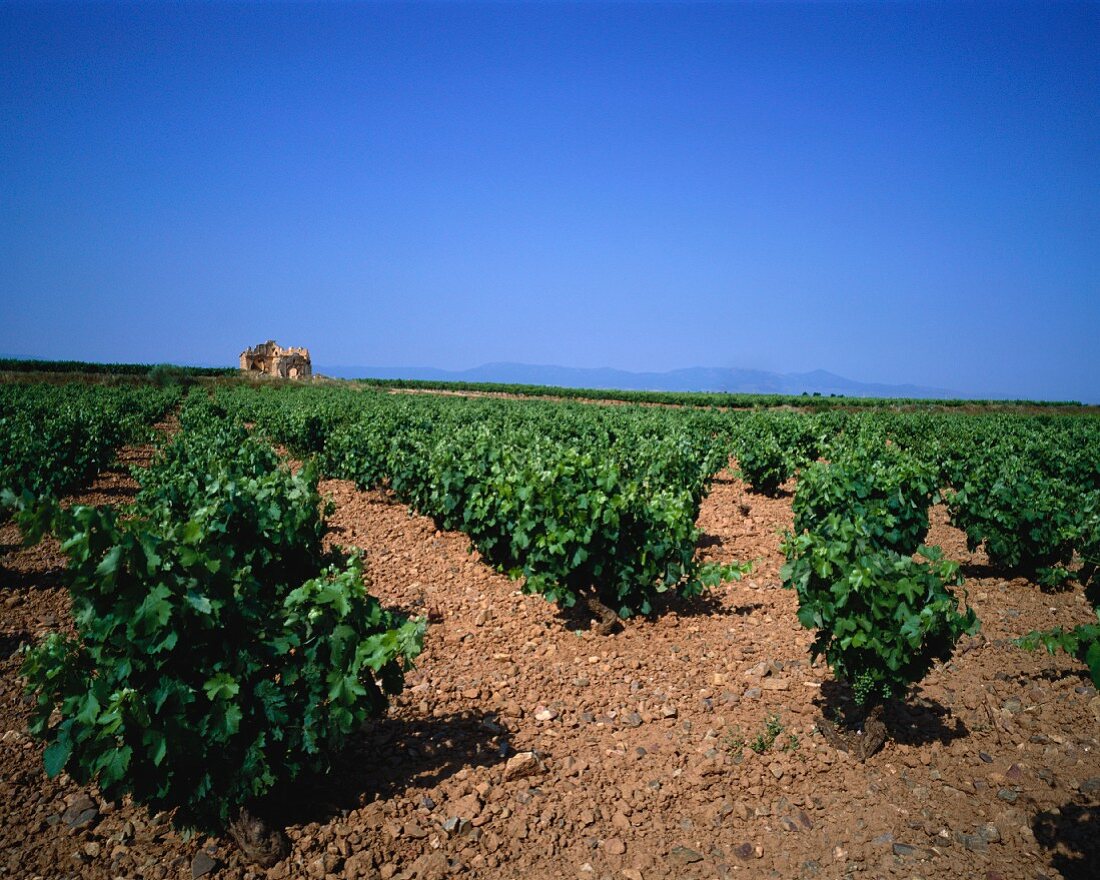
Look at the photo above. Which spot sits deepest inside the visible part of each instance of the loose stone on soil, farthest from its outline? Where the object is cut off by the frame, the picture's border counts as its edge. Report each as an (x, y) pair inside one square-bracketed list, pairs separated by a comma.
[(614, 846), (521, 765), (81, 812), (683, 855), (202, 864)]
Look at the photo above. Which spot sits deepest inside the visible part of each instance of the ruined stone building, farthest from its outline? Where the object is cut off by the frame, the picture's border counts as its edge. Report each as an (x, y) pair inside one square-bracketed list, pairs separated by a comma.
[(272, 360)]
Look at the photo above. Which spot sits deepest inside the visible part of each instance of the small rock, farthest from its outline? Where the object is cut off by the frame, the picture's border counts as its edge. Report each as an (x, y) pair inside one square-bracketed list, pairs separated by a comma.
[(743, 851), (775, 684), (972, 842), (1007, 795), (668, 711), (614, 846), (456, 826), (683, 855), (413, 830), (281, 871), (468, 807), (1091, 784), (776, 770), (520, 765), (543, 713), (359, 865), (82, 811), (321, 867), (202, 864), (903, 849), (985, 756), (788, 823), (430, 866), (632, 874), (632, 719), (989, 833), (753, 694)]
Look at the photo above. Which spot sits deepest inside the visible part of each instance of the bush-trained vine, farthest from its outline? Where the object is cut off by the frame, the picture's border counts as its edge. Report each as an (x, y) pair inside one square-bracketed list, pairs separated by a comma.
[(1026, 521), (219, 653), (763, 464), (1082, 642), (56, 438), (887, 489), (881, 618), (585, 504)]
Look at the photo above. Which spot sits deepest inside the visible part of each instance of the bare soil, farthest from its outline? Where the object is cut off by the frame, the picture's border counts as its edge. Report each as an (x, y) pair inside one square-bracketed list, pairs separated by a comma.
[(643, 763)]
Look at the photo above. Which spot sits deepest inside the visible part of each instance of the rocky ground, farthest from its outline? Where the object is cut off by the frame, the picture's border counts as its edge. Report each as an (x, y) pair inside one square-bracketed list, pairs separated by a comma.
[(682, 746)]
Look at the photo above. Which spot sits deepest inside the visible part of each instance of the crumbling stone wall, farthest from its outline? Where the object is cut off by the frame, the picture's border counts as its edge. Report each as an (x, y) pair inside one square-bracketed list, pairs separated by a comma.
[(273, 360)]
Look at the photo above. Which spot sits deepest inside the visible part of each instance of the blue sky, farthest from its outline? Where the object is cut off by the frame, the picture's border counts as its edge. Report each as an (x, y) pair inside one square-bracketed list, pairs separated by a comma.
[(894, 192)]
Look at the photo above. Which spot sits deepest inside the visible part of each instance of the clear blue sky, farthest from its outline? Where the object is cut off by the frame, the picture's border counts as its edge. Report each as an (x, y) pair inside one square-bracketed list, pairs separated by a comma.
[(894, 192)]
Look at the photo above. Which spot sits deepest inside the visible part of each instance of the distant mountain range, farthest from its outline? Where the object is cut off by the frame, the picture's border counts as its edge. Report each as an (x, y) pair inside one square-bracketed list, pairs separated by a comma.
[(722, 379)]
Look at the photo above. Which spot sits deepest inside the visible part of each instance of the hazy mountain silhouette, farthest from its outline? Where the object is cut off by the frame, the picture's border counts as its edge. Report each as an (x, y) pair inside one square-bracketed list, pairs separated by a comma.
[(689, 379)]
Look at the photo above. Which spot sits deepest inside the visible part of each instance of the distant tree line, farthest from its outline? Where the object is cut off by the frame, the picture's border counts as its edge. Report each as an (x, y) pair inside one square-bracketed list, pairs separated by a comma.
[(19, 365), (698, 398)]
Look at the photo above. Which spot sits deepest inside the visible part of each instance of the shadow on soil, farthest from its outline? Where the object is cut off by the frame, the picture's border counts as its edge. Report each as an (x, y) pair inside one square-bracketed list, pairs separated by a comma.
[(707, 540), (1071, 836), (11, 642), (1057, 675), (392, 755), (35, 579), (981, 570), (916, 722), (710, 603)]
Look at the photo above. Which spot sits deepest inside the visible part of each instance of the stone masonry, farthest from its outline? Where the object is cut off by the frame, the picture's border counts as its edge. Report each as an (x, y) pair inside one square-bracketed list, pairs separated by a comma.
[(273, 360)]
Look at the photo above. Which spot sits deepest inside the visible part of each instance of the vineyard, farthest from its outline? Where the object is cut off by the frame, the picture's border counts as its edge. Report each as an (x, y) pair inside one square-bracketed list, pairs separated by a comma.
[(335, 631)]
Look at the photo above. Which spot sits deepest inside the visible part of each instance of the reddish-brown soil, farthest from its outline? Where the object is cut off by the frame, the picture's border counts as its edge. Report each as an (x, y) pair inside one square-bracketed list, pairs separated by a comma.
[(642, 740)]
